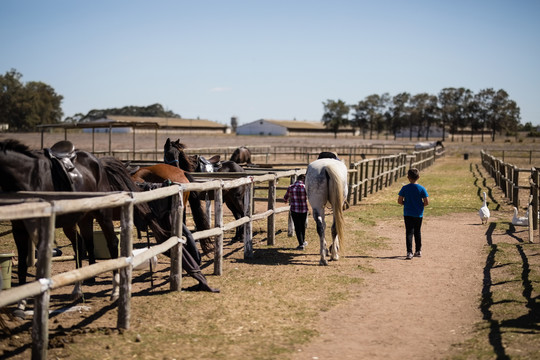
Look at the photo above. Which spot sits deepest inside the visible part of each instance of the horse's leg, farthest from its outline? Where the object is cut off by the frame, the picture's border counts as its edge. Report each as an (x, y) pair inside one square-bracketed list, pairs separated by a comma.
[(76, 243), (318, 215), (104, 218), (234, 200), (21, 237), (335, 243)]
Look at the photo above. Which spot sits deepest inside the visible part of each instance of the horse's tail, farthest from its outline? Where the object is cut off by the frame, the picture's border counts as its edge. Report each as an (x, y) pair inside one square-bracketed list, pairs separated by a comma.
[(200, 217), (336, 199)]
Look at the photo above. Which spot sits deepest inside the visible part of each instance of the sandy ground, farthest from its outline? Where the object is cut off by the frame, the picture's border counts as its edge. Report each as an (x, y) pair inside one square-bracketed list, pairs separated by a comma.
[(413, 309)]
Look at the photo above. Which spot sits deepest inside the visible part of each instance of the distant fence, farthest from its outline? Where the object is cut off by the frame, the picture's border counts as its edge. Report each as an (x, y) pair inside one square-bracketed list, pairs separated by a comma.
[(269, 154)]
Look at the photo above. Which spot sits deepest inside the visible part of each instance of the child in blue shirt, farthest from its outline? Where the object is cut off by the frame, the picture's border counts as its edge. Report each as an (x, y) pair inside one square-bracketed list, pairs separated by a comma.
[(414, 198)]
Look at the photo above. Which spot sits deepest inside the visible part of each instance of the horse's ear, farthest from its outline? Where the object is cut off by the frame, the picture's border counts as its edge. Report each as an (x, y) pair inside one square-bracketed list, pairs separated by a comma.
[(167, 143)]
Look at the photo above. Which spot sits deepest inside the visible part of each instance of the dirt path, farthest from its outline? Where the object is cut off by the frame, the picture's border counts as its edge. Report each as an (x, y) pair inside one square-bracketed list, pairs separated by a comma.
[(413, 309)]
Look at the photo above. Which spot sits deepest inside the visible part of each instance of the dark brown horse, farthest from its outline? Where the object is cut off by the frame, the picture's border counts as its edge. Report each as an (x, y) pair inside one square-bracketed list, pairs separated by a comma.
[(241, 155), (234, 198), (162, 172), (156, 216), (25, 170)]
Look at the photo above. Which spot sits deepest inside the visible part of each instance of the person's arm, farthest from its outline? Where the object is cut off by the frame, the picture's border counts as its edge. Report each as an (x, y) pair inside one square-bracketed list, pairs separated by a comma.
[(426, 201), (400, 200)]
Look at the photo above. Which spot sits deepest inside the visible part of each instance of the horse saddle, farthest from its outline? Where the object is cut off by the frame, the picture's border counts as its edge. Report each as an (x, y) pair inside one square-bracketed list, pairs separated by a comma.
[(208, 165), (62, 154)]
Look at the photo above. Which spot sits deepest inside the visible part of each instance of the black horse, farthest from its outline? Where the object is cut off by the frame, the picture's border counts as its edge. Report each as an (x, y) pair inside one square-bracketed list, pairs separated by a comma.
[(156, 216), (234, 198), (60, 168)]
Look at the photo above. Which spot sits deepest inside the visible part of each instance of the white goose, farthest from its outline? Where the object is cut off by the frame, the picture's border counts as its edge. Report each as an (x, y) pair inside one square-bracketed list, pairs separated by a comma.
[(484, 211), (519, 221)]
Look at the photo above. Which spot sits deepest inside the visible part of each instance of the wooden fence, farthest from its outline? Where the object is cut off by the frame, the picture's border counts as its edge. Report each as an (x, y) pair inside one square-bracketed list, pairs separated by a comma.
[(366, 176), (506, 177)]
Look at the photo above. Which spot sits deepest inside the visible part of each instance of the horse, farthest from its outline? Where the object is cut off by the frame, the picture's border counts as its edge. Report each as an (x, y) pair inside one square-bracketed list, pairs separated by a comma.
[(241, 155), (156, 215), (233, 198), (26, 170), (326, 182), (160, 173), (428, 145)]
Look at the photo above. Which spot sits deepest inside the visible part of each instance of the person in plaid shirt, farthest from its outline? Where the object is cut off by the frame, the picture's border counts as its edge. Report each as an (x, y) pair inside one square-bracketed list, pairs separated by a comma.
[(297, 198)]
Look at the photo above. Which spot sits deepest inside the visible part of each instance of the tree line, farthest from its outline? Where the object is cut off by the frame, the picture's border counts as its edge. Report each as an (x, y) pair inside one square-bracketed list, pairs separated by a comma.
[(24, 106), (452, 110)]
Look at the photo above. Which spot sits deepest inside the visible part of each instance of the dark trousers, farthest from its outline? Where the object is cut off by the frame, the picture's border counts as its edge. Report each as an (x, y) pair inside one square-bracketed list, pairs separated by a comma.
[(412, 228), (299, 221)]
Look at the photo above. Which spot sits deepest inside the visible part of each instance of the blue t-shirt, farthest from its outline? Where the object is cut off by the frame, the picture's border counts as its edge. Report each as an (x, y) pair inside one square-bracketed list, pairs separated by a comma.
[(413, 205)]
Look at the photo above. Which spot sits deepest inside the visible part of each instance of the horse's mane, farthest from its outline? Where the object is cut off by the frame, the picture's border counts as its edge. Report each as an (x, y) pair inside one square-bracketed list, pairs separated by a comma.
[(16, 146)]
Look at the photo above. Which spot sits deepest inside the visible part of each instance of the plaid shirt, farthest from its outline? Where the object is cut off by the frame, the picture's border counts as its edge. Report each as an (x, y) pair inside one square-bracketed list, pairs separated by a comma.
[(297, 195)]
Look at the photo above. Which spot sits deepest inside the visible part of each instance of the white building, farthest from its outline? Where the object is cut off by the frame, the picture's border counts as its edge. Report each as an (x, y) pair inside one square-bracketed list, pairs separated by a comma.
[(265, 127)]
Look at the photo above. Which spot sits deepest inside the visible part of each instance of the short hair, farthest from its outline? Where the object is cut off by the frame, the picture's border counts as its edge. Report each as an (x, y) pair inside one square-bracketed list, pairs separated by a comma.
[(413, 173), (301, 177)]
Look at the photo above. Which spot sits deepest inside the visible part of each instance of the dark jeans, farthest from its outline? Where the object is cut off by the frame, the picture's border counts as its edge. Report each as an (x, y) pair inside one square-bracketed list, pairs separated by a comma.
[(412, 228), (299, 221)]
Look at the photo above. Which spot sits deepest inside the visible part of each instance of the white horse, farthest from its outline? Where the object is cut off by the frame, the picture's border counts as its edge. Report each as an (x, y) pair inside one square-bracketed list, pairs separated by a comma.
[(428, 145), (326, 182)]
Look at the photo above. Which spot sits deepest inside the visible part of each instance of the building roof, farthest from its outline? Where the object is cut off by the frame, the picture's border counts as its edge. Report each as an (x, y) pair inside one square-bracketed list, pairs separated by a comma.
[(293, 124), (169, 122)]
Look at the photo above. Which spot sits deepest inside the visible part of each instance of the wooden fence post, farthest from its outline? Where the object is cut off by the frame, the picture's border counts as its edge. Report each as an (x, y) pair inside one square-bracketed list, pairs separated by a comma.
[(218, 222), (126, 250), (534, 189), (248, 228), (177, 210), (515, 190), (271, 220), (40, 321)]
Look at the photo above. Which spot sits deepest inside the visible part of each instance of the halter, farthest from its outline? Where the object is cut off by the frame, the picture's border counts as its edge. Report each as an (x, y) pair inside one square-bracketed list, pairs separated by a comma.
[(169, 162)]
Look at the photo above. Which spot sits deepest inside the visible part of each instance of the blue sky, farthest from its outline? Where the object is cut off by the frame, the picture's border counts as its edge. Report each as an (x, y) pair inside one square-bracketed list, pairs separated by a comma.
[(269, 59)]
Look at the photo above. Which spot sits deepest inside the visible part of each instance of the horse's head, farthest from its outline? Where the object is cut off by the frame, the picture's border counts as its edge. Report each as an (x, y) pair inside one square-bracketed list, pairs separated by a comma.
[(173, 154)]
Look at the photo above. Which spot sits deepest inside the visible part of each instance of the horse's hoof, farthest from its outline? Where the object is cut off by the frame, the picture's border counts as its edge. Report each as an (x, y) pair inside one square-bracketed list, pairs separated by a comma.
[(323, 263)]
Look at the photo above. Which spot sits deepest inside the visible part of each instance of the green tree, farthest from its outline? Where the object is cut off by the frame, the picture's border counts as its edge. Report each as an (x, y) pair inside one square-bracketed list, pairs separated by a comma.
[(154, 110), (23, 106), (399, 112), (336, 115)]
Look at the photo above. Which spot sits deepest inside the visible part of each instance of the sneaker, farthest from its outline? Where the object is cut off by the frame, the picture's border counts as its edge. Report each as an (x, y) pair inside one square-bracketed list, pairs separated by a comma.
[(418, 254), (409, 256)]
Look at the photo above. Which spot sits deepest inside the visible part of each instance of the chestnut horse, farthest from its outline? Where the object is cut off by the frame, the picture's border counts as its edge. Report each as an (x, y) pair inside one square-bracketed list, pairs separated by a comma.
[(160, 173), (234, 198)]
